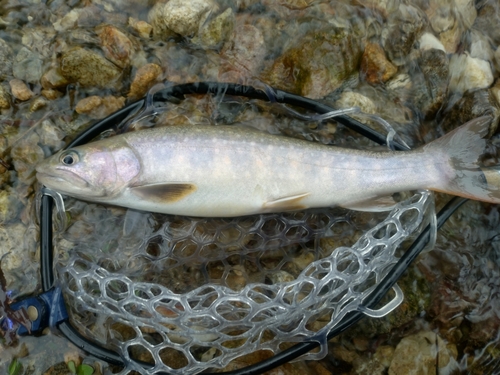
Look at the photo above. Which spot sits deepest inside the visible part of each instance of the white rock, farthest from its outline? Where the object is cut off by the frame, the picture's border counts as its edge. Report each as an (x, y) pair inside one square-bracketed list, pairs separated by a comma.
[(467, 11), (467, 73), (480, 46), (183, 17), (354, 99), (429, 41)]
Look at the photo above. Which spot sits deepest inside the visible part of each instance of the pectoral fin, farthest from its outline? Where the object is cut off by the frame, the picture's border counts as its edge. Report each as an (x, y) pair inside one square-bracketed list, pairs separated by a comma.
[(164, 193), (378, 204), (291, 203)]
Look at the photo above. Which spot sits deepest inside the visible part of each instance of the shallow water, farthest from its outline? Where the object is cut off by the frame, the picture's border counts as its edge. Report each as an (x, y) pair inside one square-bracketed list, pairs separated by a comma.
[(425, 66)]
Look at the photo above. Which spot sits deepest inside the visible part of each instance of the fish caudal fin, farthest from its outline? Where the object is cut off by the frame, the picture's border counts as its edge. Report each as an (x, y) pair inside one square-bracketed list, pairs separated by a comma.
[(462, 148)]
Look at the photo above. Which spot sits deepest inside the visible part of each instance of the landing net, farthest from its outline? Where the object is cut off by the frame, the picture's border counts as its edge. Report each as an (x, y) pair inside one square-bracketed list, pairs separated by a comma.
[(186, 295)]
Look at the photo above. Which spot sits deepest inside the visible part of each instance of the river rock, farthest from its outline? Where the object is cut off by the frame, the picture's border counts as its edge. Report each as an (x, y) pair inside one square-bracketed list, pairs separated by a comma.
[(430, 81), (487, 20), (402, 30), (6, 57), (117, 46), (375, 66), (53, 79), (4, 98), (423, 353), (181, 17), (468, 73), (469, 106), (429, 41), (216, 31), (27, 66), (143, 28), (243, 55), (88, 68), (20, 90), (97, 108), (318, 63), (145, 77)]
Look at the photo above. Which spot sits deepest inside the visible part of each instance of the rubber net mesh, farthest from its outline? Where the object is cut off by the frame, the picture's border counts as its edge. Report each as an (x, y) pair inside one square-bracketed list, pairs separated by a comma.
[(189, 294)]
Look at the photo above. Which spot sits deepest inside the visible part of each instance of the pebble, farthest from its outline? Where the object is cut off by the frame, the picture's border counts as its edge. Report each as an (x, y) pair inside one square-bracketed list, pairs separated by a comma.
[(20, 90), (297, 72), (88, 68), (182, 17), (145, 77), (375, 66), (429, 41), (4, 98), (27, 66), (421, 353), (143, 28), (215, 32), (98, 108), (53, 79), (245, 51), (117, 46), (468, 73), (6, 57), (404, 27)]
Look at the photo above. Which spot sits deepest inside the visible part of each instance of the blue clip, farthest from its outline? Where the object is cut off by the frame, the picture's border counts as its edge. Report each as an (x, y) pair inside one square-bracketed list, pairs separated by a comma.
[(50, 311)]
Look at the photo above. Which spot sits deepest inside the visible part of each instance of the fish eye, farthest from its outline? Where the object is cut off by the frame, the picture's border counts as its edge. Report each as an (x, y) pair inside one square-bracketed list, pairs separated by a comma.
[(69, 158)]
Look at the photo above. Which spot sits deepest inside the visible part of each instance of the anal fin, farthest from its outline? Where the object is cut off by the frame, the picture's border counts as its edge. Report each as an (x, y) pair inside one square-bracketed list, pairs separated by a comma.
[(291, 203), (163, 193)]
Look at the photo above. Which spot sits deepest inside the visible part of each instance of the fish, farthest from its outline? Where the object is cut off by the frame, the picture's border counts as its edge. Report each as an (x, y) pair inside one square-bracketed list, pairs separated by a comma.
[(228, 171)]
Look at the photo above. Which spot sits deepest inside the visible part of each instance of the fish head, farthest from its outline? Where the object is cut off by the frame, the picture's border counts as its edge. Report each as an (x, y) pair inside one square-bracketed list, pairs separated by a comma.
[(94, 171)]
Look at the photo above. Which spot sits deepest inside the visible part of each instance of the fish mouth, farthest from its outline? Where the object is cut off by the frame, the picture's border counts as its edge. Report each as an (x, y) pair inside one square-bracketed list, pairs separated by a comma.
[(54, 181)]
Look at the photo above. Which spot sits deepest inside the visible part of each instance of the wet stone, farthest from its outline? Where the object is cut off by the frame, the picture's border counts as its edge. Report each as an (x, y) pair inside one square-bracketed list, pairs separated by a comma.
[(27, 66), (181, 17), (375, 66), (6, 57), (143, 28), (487, 21), (469, 106), (4, 98), (145, 77), (468, 73), (216, 31), (244, 53), (318, 64), (97, 108), (421, 353), (403, 29), (430, 83), (53, 79), (88, 68), (117, 46), (20, 90)]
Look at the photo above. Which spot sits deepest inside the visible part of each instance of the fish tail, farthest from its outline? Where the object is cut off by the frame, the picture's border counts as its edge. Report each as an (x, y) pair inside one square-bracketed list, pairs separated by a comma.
[(462, 149)]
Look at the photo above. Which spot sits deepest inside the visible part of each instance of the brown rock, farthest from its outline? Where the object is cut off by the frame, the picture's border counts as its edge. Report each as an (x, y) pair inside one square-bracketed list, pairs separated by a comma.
[(145, 77), (375, 66), (97, 107), (117, 46), (143, 28), (53, 79), (88, 68), (245, 52), (20, 90), (51, 94), (4, 99)]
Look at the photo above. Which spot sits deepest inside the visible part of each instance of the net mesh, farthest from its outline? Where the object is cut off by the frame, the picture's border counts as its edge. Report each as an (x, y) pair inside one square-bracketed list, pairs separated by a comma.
[(185, 295)]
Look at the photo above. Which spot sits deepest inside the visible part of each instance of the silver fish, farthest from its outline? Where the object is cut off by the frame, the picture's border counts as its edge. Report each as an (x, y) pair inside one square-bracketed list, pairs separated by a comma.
[(223, 171)]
